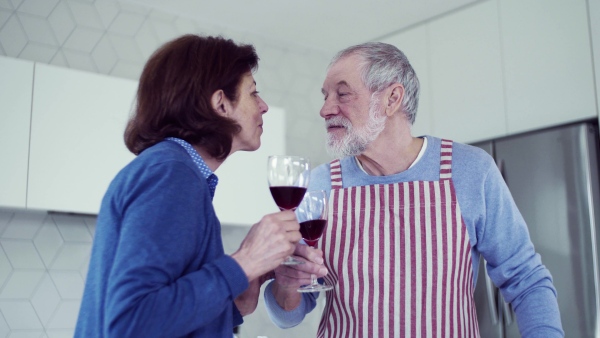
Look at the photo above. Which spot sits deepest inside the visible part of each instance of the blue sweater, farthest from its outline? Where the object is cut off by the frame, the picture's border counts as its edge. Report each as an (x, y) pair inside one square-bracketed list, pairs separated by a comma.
[(496, 230), (157, 267)]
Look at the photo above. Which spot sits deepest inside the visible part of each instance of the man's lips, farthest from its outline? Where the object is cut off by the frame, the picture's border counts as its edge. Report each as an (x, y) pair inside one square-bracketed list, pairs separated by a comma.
[(335, 127)]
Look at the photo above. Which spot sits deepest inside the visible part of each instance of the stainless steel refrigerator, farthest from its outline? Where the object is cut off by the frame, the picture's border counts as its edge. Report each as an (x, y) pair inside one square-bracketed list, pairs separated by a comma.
[(553, 177)]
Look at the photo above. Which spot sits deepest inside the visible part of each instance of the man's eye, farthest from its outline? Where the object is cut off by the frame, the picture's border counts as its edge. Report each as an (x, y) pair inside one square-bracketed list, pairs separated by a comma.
[(255, 93), (342, 94)]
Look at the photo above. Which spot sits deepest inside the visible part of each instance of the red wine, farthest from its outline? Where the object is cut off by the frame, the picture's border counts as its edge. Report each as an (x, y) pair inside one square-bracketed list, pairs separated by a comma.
[(287, 198), (311, 230)]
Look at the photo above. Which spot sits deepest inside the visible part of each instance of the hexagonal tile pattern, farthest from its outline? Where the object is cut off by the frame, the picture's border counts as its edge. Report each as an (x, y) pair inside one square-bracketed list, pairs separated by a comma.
[(83, 39), (4, 15), (107, 11), (63, 316), (12, 37), (24, 226), (22, 254), (37, 29), (79, 60), (69, 284), (48, 242), (127, 23), (62, 23), (85, 14), (5, 268), (71, 228), (5, 4), (38, 52), (45, 300), (72, 256), (41, 8), (20, 315), (21, 284)]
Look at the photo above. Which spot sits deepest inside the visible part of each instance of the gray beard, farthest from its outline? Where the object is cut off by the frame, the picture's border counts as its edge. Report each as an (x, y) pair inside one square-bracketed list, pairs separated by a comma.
[(355, 141)]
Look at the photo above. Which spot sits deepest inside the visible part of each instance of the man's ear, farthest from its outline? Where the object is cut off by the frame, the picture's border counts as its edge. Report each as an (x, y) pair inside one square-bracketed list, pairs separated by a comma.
[(394, 99), (218, 101)]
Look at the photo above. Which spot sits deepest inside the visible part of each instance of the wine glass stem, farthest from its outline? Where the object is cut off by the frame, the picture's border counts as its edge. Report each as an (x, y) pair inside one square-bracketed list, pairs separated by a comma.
[(313, 277)]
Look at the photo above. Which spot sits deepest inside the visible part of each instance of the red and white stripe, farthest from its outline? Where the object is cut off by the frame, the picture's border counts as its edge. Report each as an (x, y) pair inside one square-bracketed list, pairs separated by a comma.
[(399, 258)]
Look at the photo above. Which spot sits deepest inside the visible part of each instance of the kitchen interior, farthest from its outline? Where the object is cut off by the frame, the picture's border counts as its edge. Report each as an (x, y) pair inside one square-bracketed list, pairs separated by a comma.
[(518, 78)]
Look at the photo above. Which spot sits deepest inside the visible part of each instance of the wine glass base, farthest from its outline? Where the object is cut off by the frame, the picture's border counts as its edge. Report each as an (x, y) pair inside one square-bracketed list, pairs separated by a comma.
[(315, 288), (291, 261)]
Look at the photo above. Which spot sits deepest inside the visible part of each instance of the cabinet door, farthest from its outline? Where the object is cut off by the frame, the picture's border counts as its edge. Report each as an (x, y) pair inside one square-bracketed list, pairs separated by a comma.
[(413, 43), (547, 62), (16, 84), (466, 74), (77, 146)]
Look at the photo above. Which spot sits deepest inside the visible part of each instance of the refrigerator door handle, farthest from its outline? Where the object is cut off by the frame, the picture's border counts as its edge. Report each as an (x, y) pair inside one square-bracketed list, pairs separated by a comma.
[(490, 288), (500, 165), (507, 312)]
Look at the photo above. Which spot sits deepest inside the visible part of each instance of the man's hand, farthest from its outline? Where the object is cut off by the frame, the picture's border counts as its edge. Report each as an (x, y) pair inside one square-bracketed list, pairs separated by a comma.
[(247, 301), (288, 278)]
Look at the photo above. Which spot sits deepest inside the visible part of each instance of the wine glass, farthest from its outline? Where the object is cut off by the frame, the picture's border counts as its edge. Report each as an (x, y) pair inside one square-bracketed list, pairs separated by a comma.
[(288, 179), (312, 215)]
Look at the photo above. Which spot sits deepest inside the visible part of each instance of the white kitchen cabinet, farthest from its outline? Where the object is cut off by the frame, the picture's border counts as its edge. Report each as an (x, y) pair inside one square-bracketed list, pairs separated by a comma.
[(242, 196), (547, 63), (16, 79), (414, 44), (76, 146), (466, 74)]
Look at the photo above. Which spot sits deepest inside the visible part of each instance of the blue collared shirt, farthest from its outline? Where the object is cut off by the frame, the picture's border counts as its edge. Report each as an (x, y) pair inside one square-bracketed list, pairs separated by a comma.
[(208, 174)]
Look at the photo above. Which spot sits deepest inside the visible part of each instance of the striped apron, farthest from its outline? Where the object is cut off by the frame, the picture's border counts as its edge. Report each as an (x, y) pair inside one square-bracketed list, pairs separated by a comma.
[(399, 258)]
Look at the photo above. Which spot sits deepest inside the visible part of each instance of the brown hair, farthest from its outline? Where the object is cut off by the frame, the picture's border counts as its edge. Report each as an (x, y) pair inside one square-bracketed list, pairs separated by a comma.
[(175, 90)]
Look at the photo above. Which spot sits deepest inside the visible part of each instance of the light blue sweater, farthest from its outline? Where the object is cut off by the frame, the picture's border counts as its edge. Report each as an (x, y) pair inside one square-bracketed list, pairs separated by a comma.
[(496, 230), (158, 268)]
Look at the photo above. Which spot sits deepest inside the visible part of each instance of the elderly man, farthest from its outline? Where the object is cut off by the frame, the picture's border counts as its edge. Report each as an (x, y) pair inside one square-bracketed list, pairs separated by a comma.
[(409, 219)]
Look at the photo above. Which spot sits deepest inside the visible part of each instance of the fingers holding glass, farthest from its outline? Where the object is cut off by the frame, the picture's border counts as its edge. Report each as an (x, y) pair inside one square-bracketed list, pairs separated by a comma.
[(312, 216), (288, 179)]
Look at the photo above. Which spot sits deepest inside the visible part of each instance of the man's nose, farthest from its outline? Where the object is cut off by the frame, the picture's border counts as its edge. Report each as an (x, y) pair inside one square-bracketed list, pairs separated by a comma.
[(329, 108)]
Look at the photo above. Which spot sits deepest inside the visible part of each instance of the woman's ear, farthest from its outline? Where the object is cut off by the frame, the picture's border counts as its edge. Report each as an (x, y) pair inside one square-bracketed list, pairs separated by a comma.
[(218, 101)]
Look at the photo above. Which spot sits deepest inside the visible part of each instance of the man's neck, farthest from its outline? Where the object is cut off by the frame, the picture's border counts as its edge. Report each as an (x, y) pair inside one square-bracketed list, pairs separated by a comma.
[(390, 155)]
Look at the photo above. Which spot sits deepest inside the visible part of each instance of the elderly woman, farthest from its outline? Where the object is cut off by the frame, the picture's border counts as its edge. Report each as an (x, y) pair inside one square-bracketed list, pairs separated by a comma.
[(157, 267)]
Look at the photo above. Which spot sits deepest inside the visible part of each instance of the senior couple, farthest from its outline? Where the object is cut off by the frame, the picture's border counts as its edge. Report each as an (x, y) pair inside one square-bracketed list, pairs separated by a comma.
[(410, 216)]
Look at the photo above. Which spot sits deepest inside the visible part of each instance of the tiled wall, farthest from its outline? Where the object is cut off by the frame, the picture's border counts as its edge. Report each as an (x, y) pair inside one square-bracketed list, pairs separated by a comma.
[(43, 263), (43, 257)]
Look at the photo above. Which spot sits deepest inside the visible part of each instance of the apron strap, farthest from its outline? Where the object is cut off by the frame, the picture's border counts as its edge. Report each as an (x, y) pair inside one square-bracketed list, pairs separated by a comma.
[(446, 160), (336, 174)]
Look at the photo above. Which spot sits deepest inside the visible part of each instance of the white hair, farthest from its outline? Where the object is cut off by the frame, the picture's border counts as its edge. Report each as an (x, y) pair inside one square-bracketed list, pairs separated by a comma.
[(384, 64)]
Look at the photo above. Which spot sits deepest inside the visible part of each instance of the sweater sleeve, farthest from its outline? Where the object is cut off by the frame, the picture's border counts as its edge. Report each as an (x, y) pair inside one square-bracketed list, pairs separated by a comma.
[(168, 226), (513, 264)]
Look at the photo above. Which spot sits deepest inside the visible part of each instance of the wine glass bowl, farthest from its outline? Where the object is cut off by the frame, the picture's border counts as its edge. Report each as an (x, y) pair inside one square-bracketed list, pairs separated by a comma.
[(312, 216), (288, 179)]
